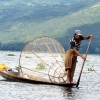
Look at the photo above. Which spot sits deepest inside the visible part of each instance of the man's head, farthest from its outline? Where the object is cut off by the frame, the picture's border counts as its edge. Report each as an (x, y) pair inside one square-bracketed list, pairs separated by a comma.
[(78, 34)]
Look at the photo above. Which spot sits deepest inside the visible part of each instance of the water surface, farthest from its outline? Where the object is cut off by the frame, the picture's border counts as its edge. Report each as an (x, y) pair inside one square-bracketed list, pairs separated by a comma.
[(89, 87)]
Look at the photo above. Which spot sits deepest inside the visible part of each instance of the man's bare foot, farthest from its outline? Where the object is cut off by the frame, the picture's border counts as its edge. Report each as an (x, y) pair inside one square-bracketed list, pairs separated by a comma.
[(70, 82), (73, 83)]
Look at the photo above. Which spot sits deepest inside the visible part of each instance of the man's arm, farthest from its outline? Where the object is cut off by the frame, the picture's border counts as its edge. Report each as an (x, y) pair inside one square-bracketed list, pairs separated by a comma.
[(88, 37), (75, 50)]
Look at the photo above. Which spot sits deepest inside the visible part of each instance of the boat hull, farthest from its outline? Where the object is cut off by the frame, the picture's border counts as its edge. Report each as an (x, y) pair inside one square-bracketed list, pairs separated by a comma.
[(16, 77)]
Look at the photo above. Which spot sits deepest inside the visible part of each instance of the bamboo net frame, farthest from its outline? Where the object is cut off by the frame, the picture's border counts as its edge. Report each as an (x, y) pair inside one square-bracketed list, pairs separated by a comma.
[(50, 53)]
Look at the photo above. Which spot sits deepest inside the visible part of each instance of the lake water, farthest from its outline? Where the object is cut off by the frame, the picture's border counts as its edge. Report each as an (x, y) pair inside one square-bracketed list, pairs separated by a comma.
[(89, 87)]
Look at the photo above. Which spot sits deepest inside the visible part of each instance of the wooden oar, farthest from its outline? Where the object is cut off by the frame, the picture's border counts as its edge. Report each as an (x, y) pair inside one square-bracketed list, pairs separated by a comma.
[(83, 63)]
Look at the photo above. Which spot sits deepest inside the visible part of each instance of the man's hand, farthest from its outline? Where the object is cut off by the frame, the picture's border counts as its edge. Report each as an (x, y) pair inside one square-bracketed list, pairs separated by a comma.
[(91, 36), (83, 57)]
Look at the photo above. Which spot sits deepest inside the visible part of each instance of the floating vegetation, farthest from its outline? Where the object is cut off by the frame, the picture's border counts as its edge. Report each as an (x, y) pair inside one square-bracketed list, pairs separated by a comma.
[(27, 57), (40, 66), (91, 69), (18, 68), (10, 55)]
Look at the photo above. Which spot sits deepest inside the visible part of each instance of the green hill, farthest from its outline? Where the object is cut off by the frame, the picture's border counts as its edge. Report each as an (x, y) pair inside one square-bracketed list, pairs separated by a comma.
[(23, 22)]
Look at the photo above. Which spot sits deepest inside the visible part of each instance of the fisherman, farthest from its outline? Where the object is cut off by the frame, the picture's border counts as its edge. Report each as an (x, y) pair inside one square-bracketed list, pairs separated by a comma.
[(72, 53)]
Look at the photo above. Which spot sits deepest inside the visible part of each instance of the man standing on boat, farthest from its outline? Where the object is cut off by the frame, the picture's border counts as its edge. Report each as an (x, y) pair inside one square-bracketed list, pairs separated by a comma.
[(72, 53)]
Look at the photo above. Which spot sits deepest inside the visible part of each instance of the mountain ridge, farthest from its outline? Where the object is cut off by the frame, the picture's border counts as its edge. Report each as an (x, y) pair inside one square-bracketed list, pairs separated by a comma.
[(20, 23)]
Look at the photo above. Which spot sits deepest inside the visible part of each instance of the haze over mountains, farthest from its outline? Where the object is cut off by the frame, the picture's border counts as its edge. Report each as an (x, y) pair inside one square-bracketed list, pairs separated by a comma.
[(23, 20)]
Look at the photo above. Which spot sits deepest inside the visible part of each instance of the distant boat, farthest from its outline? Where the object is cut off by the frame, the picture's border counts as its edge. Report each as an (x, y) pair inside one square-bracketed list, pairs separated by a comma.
[(41, 61)]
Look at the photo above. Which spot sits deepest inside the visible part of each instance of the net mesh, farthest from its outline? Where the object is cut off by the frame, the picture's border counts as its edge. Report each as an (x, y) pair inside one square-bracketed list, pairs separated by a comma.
[(43, 59)]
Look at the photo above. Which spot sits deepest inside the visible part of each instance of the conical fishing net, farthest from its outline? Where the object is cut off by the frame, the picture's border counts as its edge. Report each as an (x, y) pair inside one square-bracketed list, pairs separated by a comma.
[(42, 59)]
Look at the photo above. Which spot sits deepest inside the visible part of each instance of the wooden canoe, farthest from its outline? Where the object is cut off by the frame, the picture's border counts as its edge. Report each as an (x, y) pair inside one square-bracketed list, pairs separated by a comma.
[(17, 77)]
